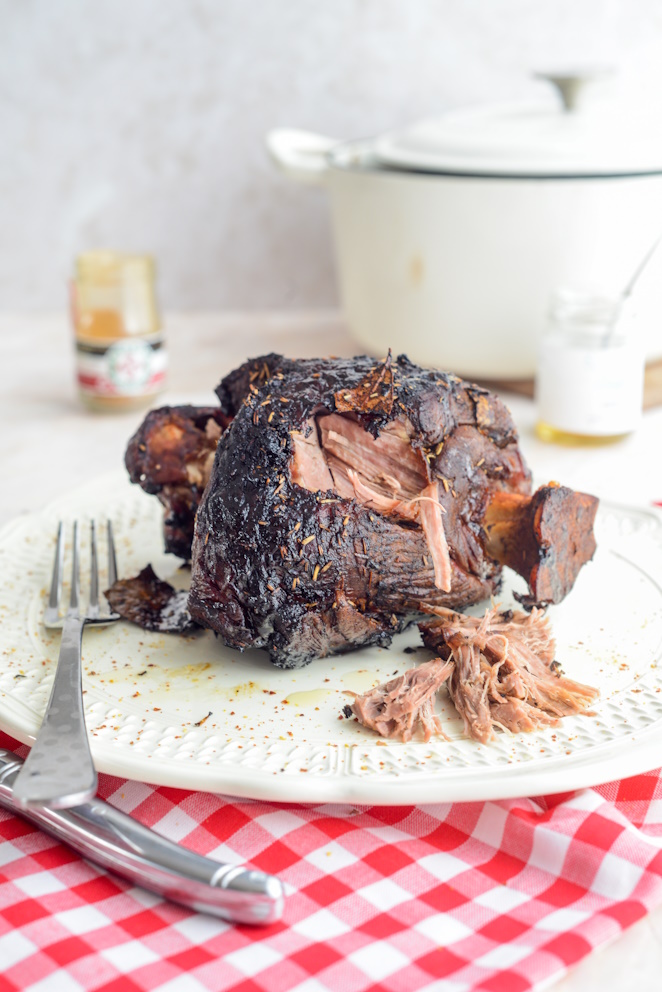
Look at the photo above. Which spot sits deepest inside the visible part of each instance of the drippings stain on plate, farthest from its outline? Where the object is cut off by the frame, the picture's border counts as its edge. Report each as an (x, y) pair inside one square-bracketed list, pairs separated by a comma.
[(309, 697)]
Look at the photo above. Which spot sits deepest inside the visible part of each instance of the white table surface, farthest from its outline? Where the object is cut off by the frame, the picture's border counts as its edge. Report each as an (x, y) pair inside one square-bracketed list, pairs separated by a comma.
[(50, 444)]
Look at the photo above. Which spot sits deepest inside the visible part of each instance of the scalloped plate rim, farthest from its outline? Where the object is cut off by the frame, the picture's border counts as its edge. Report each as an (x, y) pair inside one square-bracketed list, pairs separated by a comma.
[(593, 766)]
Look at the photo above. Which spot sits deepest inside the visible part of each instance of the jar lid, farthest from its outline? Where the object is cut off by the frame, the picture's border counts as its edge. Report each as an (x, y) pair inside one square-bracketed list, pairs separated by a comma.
[(592, 309), (557, 138)]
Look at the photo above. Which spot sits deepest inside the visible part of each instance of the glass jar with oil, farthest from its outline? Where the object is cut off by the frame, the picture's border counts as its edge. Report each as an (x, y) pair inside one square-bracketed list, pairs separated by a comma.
[(589, 386), (120, 351)]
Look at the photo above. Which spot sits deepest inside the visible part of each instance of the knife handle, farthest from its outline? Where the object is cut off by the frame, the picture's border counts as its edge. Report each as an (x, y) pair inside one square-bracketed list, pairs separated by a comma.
[(119, 843)]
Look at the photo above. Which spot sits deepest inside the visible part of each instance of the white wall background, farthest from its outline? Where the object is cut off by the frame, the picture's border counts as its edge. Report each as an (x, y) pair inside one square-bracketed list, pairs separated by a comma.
[(138, 124)]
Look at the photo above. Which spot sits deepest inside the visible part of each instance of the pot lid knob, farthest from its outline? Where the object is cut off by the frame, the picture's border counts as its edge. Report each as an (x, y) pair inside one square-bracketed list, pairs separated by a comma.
[(571, 84)]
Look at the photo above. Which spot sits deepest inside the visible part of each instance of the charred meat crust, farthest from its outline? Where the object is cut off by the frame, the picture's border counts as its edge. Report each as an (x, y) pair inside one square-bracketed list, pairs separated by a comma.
[(307, 573), (170, 456), (151, 603), (238, 384)]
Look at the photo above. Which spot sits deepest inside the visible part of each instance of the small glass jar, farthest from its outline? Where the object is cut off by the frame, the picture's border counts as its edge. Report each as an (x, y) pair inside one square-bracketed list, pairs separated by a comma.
[(120, 351), (589, 386)]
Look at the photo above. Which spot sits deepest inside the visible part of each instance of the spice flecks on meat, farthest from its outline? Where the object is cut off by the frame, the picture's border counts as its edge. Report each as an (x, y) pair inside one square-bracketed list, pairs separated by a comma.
[(389, 468)]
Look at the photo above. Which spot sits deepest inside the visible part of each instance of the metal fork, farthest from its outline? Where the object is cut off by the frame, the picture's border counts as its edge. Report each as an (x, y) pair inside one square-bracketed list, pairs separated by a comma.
[(59, 771)]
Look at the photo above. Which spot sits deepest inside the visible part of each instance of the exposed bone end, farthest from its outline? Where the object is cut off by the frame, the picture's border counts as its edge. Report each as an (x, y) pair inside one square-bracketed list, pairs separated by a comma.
[(545, 538)]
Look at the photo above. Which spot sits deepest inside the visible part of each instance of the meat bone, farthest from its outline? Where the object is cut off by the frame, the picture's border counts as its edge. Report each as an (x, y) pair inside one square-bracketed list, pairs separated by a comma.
[(545, 538)]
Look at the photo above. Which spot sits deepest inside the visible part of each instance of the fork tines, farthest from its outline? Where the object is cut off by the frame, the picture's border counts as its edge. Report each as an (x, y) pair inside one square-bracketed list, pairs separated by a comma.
[(52, 614)]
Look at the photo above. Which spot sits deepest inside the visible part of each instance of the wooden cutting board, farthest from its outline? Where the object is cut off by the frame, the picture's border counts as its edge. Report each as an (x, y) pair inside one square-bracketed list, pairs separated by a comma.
[(525, 387)]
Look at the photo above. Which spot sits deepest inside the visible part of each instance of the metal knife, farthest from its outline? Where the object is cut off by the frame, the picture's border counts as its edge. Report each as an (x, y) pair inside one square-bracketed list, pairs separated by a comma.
[(119, 843)]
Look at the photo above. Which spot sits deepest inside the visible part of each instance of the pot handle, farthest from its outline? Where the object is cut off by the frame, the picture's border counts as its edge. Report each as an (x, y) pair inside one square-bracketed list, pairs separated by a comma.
[(301, 155)]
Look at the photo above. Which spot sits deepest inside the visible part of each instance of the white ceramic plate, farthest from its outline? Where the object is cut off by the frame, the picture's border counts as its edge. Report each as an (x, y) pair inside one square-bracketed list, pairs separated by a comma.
[(189, 712)]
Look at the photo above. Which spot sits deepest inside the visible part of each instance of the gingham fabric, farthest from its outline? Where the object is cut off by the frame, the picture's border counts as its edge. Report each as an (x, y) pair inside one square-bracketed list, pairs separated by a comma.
[(497, 896)]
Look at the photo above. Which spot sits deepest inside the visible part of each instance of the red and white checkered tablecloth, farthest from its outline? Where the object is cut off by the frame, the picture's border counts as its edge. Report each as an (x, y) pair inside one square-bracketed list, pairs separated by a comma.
[(497, 896)]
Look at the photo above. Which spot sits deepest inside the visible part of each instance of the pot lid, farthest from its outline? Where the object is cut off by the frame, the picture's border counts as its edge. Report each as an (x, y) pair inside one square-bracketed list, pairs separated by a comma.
[(557, 138)]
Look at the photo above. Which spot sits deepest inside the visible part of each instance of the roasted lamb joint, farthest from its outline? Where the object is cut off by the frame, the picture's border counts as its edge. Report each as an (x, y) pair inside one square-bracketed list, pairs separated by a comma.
[(171, 456), (345, 496), (545, 538)]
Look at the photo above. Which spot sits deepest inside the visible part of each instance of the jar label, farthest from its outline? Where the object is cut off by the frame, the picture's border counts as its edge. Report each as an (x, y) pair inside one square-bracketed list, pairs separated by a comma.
[(128, 367), (590, 390)]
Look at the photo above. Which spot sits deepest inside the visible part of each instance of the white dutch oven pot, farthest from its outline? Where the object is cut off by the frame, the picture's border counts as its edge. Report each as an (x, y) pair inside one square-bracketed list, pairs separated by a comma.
[(451, 236)]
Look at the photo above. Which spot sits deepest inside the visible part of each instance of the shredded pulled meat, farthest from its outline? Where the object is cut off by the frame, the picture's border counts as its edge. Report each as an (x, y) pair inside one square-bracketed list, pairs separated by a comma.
[(433, 528), (500, 672), (384, 474), (400, 707)]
